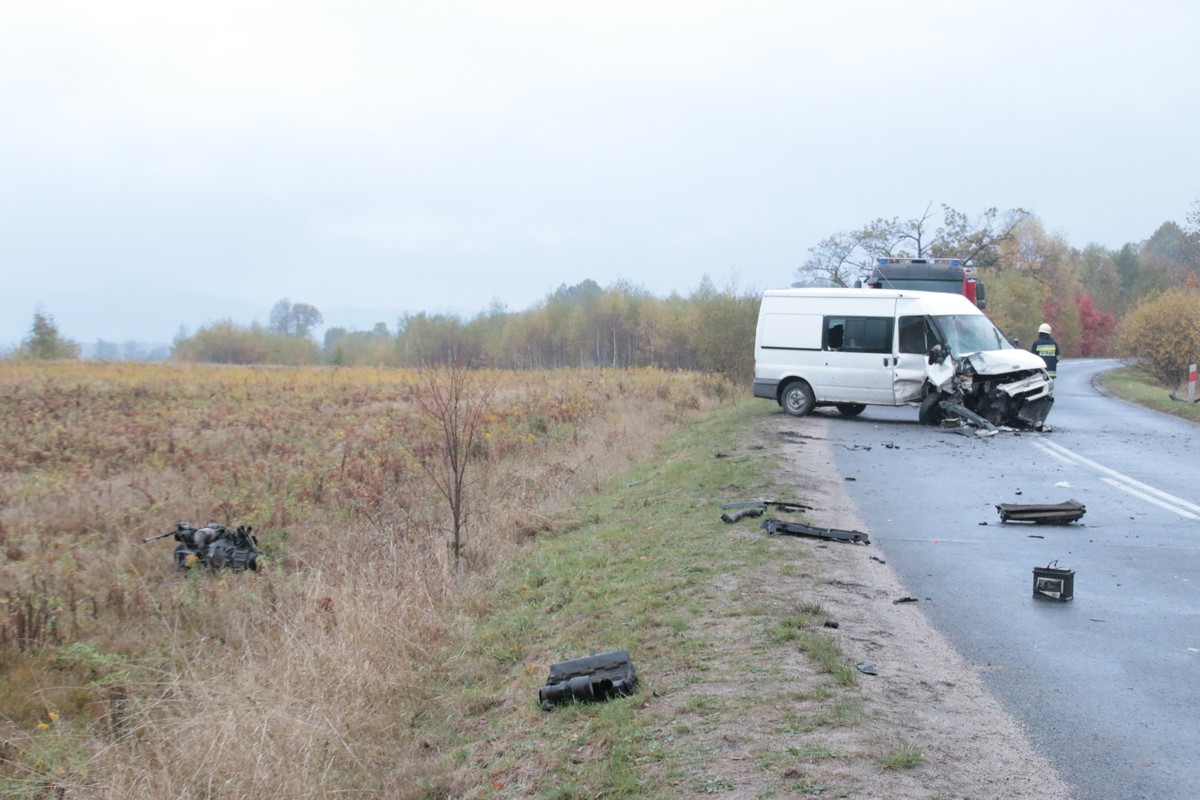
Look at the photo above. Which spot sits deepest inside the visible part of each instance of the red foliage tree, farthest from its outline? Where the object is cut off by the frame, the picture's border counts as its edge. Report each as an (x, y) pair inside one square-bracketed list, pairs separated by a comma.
[(1096, 327)]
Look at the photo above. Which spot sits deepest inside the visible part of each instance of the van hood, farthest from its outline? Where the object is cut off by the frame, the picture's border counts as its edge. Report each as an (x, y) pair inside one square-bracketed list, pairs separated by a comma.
[(1003, 362)]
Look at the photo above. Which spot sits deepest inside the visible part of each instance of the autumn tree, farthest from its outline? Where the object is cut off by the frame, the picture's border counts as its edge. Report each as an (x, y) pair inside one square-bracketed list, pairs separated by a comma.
[(1015, 304), (1097, 327), (44, 343), (454, 404), (843, 257), (1162, 334), (1173, 252), (293, 320), (721, 329), (227, 342), (375, 347)]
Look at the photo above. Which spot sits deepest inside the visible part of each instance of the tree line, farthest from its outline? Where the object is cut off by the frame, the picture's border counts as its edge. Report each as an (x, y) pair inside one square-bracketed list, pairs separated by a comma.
[(584, 325), (1032, 276)]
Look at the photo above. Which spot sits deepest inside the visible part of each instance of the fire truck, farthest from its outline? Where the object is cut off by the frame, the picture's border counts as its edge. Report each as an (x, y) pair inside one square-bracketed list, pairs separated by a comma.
[(929, 275)]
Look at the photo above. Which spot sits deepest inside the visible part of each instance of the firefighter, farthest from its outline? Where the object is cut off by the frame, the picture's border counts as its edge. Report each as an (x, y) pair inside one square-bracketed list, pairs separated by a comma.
[(1045, 346)]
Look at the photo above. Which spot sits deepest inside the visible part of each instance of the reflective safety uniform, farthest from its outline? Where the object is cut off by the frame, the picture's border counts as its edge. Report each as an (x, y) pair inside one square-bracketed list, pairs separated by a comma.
[(1047, 348)]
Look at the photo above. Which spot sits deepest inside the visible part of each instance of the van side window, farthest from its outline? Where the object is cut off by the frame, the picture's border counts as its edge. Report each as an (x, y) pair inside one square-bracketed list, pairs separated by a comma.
[(835, 333), (859, 334), (916, 336)]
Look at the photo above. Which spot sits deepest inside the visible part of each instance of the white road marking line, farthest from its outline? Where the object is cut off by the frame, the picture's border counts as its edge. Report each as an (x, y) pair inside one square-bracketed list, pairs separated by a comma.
[(1131, 485), (1125, 488)]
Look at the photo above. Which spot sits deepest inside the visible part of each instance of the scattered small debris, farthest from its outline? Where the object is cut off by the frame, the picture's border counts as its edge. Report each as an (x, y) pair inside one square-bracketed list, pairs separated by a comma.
[(782, 505), (907, 599), (891, 445), (851, 479), (866, 667), (1035, 536), (798, 435), (1179, 399), (588, 679), (1063, 485), (877, 558), (1055, 514), (831, 623), (983, 523)]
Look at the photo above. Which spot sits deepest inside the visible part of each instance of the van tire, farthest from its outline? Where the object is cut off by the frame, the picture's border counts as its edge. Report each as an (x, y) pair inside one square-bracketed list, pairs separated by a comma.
[(797, 399), (930, 413), (850, 409)]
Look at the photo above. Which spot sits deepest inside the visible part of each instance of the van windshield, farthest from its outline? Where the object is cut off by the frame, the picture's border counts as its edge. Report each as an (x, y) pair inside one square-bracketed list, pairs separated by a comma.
[(971, 333)]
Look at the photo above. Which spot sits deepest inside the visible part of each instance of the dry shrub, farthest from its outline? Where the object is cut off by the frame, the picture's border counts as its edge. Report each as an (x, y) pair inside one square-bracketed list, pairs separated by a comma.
[(1162, 335), (309, 679)]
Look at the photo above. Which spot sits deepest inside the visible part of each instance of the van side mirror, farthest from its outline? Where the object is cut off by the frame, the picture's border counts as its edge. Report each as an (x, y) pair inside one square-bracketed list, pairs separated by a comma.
[(936, 354)]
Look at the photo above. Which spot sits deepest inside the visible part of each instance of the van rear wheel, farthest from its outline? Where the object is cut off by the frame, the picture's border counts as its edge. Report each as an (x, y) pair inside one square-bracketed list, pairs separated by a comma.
[(797, 399), (850, 409)]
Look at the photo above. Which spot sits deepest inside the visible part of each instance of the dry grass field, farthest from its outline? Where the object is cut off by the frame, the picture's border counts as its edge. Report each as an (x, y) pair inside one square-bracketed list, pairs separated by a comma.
[(121, 676)]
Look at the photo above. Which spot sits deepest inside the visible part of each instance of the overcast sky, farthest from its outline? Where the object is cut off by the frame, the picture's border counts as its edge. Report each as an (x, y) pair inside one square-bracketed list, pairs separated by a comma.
[(177, 163)]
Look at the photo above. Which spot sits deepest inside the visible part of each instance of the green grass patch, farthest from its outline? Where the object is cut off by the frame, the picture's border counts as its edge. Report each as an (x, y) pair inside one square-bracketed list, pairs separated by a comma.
[(1134, 385), (901, 755), (647, 566)]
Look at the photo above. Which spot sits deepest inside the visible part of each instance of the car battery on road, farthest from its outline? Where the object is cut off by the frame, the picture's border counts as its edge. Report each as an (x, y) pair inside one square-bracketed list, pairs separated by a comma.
[(1053, 583)]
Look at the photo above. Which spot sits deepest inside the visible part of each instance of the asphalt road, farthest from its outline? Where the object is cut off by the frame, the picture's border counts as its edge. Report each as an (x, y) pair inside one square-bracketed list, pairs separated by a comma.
[(1107, 684)]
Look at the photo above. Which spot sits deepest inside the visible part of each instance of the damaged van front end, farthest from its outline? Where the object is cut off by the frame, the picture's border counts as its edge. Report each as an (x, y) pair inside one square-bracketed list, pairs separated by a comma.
[(1006, 388)]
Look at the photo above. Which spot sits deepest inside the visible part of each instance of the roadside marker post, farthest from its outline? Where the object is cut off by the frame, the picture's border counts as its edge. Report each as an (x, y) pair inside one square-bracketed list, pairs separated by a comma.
[(1192, 383)]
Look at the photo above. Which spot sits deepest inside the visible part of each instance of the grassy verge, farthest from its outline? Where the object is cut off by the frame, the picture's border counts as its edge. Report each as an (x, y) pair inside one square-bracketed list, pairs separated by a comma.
[(1130, 383), (729, 668)]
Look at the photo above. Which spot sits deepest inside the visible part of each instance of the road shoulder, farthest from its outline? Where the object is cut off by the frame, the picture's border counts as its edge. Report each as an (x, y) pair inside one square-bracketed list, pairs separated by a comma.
[(923, 693)]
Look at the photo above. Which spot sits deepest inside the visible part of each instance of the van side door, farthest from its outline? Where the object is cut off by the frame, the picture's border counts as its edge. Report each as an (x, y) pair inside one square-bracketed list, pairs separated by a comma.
[(858, 352), (915, 336)]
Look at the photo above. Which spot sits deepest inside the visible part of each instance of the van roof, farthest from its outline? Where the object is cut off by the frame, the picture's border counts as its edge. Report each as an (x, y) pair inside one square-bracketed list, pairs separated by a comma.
[(935, 302)]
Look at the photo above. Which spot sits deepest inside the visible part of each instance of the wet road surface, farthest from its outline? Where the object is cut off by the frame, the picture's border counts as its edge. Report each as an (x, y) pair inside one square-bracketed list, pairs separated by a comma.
[(1107, 684)]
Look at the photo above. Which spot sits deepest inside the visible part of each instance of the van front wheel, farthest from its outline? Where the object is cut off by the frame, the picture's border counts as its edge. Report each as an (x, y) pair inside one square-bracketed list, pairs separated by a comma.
[(797, 399), (930, 412)]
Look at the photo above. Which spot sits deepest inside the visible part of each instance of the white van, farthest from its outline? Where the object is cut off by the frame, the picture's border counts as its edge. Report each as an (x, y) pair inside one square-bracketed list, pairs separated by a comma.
[(851, 348)]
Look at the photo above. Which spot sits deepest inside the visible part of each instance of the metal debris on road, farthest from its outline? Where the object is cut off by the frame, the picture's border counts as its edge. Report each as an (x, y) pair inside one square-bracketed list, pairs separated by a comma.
[(774, 526), (1049, 514)]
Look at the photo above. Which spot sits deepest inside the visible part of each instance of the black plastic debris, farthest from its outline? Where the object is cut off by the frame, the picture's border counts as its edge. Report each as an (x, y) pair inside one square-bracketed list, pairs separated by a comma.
[(1046, 514), (734, 512), (774, 526), (1053, 583), (832, 623), (589, 679), (730, 517)]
